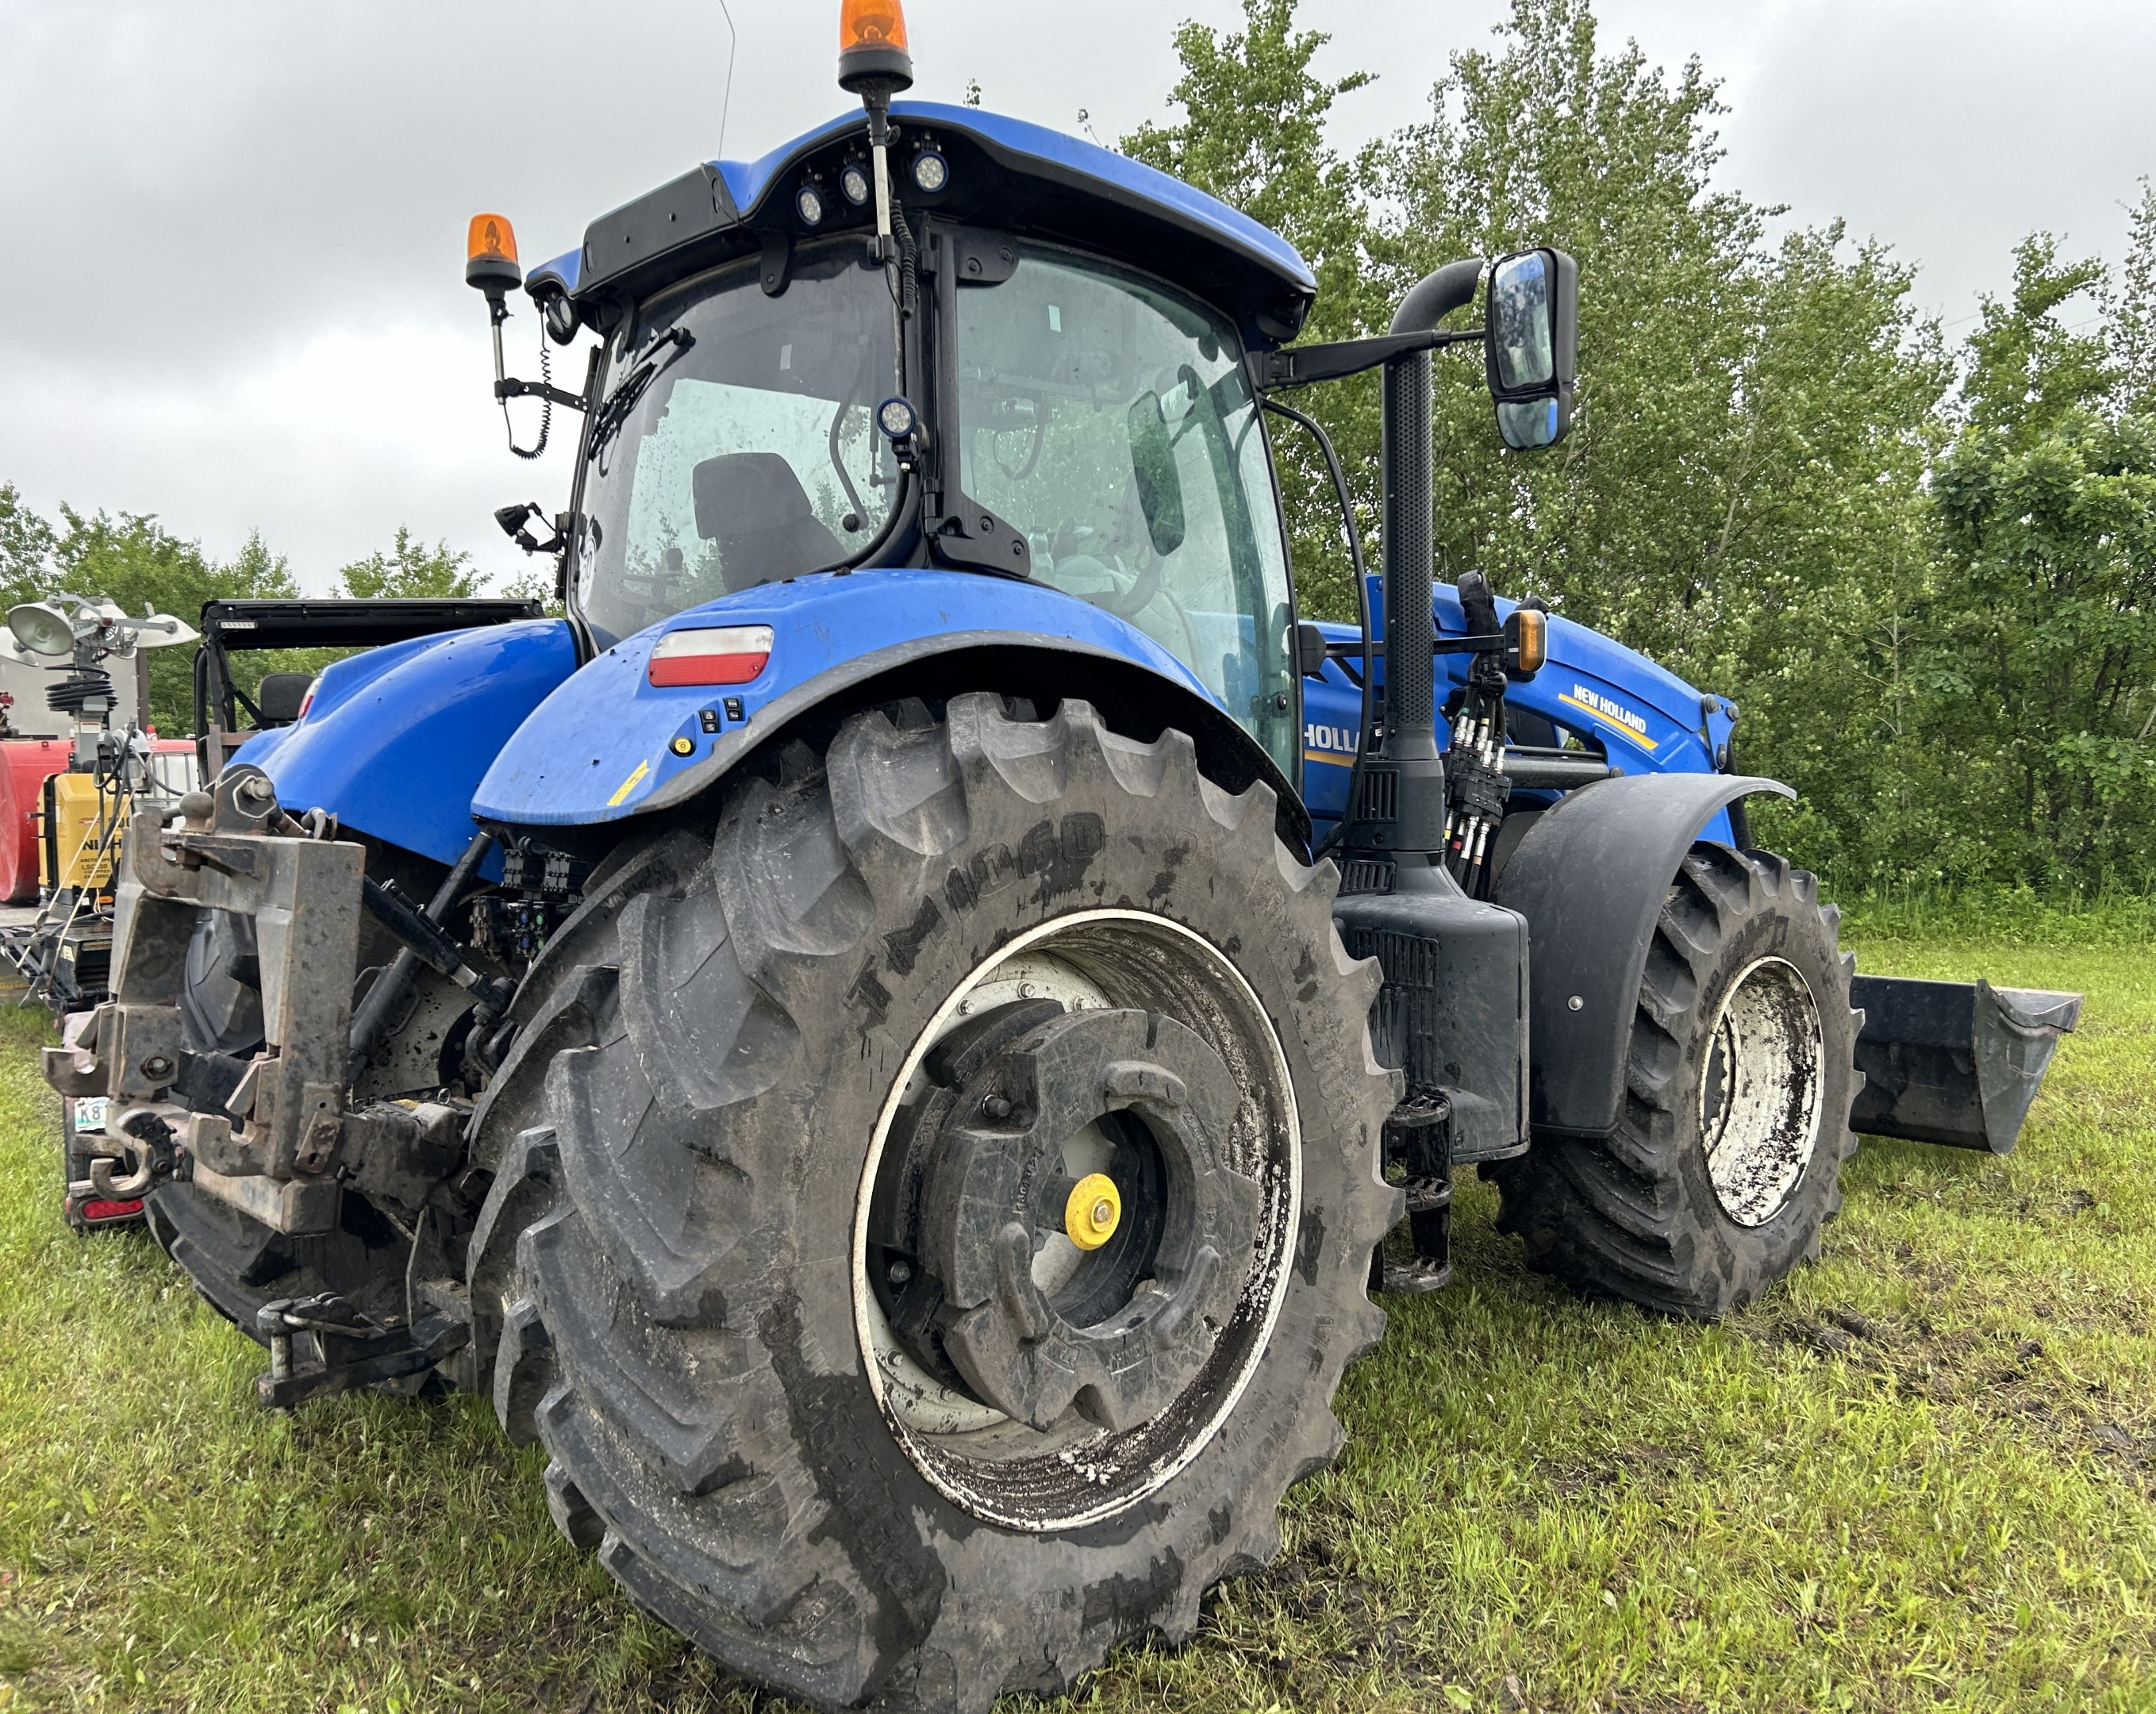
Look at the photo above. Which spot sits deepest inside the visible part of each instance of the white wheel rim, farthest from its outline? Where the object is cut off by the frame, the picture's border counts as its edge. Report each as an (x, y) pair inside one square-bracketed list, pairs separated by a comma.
[(914, 1403), (1760, 1091)]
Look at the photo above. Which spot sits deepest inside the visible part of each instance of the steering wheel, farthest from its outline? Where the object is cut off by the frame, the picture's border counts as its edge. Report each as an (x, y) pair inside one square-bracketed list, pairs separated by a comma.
[(1143, 593)]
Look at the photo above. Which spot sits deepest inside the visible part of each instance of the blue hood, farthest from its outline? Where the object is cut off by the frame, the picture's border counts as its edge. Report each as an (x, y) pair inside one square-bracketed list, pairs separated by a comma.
[(397, 740)]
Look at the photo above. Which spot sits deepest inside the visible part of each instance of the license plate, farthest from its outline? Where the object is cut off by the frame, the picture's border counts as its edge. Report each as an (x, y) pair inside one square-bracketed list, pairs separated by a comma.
[(90, 1113)]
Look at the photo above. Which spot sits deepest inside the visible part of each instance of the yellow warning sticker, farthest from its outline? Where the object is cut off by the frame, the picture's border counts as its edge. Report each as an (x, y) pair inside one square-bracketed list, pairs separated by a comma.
[(628, 785)]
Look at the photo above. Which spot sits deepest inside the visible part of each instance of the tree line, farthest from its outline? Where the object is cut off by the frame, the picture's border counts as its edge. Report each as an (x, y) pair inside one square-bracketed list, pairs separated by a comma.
[(1925, 571), (1926, 574), (134, 559)]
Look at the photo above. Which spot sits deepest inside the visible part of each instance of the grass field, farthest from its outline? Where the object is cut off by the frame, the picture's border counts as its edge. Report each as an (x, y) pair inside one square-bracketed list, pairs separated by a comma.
[(1922, 1475)]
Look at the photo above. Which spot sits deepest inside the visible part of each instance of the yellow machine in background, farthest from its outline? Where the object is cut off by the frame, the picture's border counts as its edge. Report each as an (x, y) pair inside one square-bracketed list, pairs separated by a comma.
[(82, 824)]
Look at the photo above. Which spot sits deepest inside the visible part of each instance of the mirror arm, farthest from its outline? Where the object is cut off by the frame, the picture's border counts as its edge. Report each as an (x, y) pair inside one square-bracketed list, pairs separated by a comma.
[(1482, 643), (1300, 366), (513, 389)]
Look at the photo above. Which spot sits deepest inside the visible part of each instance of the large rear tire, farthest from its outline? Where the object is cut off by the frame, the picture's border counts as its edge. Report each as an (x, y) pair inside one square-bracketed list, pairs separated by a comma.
[(1734, 1122), (747, 1057)]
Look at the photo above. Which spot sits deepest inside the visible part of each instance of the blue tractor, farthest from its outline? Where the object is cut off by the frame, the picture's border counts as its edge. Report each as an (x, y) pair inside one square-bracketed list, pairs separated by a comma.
[(903, 1037)]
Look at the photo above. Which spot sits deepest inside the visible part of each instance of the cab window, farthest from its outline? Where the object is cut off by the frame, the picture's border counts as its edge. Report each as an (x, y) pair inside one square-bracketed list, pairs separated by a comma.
[(1110, 419)]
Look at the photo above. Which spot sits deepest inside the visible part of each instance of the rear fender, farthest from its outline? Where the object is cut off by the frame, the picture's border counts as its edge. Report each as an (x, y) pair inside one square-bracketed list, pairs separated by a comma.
[(1591, 877), (609, 746)]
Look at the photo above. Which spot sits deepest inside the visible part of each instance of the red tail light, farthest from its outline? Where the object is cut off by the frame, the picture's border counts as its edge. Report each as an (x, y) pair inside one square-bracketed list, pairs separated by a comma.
[(725, 655)]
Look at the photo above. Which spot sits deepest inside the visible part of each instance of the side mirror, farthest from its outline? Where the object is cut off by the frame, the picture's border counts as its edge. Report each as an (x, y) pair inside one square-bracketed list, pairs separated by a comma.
[(1532, 344), (1153, 466)]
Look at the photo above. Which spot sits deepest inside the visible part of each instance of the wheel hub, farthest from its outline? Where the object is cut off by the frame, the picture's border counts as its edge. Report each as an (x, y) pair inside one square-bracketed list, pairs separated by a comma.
[(1760, 1091), (1042, 1288), (1092, 1212)]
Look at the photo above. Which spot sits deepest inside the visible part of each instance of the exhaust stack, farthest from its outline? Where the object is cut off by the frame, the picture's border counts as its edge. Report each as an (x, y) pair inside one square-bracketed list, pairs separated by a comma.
[(1395, 835)]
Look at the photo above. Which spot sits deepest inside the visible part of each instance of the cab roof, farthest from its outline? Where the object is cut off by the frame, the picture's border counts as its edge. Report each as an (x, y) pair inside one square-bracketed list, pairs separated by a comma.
[(1006, 173)]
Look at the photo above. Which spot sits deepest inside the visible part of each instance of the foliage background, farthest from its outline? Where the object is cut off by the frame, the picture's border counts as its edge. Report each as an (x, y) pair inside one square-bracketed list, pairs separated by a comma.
[(1926, 575), (1926, 572)]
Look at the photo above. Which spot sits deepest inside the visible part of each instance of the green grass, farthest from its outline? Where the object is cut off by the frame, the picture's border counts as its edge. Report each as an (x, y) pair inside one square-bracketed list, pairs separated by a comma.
[(1922, 1475)]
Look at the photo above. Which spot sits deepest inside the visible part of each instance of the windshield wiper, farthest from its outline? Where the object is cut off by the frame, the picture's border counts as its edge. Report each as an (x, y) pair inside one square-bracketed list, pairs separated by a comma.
[(613, 409)]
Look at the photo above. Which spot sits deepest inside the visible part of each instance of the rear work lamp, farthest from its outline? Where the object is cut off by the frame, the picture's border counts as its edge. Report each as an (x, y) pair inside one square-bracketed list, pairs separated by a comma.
[(724, 654)]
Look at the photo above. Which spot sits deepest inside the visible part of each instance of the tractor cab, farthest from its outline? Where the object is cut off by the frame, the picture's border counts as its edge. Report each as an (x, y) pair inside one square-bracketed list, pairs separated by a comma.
[(1089, 424)]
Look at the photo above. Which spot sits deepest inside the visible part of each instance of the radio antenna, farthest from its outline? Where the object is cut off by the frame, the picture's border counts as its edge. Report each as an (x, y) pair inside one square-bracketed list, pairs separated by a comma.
[(726, 98)]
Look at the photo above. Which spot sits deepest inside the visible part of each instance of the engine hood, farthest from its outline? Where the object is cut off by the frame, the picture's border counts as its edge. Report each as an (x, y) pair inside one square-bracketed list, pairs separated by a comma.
[(397, 740)]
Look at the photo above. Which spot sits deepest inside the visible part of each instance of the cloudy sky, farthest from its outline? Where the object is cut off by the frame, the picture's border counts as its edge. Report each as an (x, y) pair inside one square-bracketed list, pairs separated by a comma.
[(233, 291)]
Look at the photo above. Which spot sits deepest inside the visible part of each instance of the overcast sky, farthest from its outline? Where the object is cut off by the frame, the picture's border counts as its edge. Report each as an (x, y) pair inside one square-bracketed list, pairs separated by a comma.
[(233, 287)]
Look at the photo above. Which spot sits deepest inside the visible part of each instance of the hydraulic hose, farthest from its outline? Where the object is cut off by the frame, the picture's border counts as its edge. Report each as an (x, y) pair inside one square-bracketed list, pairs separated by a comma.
[(372, 1017)]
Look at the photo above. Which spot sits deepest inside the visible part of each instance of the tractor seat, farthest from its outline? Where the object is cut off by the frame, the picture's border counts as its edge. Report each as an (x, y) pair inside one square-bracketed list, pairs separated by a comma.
[(752, 507)]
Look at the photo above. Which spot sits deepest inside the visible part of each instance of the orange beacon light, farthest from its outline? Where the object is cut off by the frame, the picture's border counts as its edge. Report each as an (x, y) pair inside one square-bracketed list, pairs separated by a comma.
[(491, 257), (872, 51)]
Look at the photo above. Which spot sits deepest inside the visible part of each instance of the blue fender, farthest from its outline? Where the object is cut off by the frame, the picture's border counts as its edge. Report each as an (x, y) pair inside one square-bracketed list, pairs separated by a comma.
[(396, 740), (608, 745), (1591, 878)]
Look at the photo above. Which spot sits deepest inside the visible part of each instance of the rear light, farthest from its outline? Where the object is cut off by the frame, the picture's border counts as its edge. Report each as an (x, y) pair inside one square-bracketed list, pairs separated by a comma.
[(726, 655), (307, 702), (99, 1210)]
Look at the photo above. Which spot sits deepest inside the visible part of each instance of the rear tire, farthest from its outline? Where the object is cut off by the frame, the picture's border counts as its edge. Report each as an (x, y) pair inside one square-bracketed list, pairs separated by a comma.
[(689, 1130), (1734, 1122)]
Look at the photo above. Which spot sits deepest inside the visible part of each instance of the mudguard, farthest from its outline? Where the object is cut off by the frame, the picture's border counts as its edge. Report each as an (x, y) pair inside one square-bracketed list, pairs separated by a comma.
[(609, 744), (1590, 877), (396, 739)]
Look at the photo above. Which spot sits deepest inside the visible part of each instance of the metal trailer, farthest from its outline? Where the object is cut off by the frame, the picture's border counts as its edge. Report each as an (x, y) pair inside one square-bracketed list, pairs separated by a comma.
[(906, 1038)]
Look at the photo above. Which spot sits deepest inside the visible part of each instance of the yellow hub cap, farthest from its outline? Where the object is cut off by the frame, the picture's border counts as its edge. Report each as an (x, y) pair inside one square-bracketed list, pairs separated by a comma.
[(1092, 1211)]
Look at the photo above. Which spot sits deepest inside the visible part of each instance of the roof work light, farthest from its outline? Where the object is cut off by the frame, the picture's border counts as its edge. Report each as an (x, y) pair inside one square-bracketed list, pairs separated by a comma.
[(931, 171)]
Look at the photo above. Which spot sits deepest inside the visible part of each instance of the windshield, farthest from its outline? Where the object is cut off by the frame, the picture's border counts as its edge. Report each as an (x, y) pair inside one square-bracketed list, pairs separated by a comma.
[(744, 452), (1111, 420)]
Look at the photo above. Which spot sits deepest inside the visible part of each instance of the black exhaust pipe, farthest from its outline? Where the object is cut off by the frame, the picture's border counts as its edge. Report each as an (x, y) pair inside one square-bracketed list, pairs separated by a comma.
[(1395, 835)]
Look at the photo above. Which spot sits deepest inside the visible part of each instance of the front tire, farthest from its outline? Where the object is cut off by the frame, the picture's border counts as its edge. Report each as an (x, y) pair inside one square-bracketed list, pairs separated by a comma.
[(1734, 1122), (691, 1273)]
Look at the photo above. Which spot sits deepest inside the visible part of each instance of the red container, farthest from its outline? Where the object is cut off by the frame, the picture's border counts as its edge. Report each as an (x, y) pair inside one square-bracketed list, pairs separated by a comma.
[(25, 764)]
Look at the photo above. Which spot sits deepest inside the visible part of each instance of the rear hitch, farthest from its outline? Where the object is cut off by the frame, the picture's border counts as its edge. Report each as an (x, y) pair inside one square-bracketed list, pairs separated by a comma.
[(321, 1345)]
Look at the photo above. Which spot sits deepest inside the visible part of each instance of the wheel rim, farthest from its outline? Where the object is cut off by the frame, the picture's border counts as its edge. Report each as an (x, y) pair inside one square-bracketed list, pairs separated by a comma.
[(1759, 1097), (1077, 1470)]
